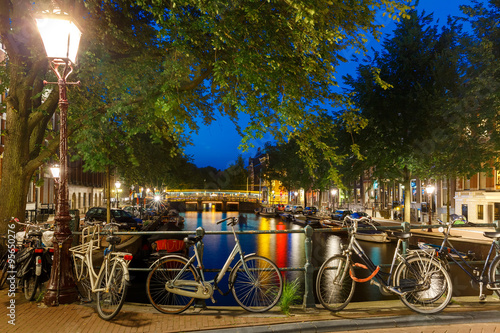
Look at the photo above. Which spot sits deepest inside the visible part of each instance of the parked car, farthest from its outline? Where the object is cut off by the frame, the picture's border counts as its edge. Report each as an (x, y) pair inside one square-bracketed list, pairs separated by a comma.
[(360, 215), (340, 214), (310, 210), (123, 218), (297, 209), (280, 207)]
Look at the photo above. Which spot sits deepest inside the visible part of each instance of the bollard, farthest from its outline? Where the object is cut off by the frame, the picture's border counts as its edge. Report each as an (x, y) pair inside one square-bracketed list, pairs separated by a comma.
[(309, 270), (200, 303), (406, 228)]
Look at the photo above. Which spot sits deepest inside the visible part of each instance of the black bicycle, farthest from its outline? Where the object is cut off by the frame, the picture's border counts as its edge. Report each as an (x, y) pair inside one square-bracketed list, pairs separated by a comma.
[(417, 277), (488, 276)]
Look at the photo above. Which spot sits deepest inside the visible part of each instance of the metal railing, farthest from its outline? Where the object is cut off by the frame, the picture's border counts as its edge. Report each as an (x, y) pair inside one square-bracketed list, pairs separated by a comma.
[(308, 268)]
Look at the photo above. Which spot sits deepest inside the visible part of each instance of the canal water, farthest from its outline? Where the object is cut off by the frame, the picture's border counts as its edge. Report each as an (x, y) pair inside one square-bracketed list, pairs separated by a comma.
[(286, 250)]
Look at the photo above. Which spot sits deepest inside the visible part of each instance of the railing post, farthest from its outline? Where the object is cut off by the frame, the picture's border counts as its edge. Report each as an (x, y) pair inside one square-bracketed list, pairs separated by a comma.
[(200, 303), (406, 228), (309, 270), (497, 229)]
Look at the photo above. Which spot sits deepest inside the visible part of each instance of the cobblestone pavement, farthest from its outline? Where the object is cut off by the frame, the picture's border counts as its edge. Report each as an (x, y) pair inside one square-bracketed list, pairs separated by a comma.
[(465, 314)]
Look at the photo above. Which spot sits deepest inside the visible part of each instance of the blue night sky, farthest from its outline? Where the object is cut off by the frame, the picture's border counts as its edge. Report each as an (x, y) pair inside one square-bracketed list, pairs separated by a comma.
[(217, 145)]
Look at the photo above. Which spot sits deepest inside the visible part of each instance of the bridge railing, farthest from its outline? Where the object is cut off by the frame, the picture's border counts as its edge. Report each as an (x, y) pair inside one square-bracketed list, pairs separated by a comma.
[(308, 268)]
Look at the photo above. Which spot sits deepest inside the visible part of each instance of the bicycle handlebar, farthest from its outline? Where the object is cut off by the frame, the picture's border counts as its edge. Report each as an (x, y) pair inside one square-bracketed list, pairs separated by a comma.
[(232, 218)]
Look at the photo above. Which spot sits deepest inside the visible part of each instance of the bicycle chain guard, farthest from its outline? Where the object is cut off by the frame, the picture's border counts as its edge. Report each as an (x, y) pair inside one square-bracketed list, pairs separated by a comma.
[(351, 273)]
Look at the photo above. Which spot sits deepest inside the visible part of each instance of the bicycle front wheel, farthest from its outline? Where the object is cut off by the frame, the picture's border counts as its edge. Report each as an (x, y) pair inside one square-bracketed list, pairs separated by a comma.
[(426, 284), (256, 283), (162, 273), (82, 278), (112, 280), (494, 274), (30, 285), (4, 263), (334, 285)]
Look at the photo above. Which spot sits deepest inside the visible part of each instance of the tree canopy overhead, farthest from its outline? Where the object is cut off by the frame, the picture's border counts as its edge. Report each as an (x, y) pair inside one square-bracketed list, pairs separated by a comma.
[(167, 62)]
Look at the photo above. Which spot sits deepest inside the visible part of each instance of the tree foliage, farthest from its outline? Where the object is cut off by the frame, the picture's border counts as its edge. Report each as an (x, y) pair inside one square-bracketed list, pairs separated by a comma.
[(167, 62)]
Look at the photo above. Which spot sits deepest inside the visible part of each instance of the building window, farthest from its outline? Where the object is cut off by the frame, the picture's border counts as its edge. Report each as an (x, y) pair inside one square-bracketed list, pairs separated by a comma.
[(480, 212)]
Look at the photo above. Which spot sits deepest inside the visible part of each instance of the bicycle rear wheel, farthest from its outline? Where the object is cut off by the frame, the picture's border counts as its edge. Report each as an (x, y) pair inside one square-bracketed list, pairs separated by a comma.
[(259, 287), (114, 283), (494, 273), (334, 285), (427, 285), (164, 271), (82, 278)]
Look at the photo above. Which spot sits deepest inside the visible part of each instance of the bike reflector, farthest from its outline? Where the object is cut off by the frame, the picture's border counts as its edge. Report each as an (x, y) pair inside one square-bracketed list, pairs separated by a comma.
[(38, 250), (128, 257)]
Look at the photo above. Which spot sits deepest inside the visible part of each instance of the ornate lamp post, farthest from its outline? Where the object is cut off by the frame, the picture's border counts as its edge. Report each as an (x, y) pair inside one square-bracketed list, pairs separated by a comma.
[(61, 38)]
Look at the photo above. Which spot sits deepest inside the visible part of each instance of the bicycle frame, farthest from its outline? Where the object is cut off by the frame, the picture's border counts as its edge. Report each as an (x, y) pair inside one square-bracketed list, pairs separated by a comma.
[(105, 267), (376, 276), (461, 262), (236, 250)]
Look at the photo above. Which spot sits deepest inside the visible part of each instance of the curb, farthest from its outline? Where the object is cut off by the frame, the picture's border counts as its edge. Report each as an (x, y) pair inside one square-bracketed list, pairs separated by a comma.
[(369, 323)]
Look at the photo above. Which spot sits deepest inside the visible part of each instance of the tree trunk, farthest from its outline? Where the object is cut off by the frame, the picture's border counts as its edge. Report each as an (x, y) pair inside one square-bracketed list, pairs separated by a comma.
[(15, 175)]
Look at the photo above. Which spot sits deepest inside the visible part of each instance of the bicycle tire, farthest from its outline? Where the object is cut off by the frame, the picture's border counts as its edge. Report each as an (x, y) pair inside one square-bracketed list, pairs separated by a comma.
[(163, 271), (82, 278), (494, 274), (334, 285), (30, 287), (259, 291), (110, 301), (4, 265), (435, 290)]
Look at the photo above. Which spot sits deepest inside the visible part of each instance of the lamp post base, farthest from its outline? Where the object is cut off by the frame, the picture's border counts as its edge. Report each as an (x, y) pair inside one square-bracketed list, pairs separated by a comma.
[(61, 288)]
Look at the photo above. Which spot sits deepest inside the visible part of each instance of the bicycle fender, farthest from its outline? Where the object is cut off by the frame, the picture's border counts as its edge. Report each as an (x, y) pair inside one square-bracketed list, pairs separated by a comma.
[(166, 256)]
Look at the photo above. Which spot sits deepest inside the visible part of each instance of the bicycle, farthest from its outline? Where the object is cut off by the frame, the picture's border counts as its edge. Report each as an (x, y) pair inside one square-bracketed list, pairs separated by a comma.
[(488, 276), (174, 282), (420, 280), (34, 271), (111, 282)]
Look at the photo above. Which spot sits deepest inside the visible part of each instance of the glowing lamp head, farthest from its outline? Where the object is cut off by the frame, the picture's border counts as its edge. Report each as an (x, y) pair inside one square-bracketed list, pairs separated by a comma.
[(60, 35), (55, 171)]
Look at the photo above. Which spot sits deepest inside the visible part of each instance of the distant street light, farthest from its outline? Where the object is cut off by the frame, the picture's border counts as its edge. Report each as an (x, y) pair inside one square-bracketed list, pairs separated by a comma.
[(117, 187), (430, 190), (334, 193), (61, 37)]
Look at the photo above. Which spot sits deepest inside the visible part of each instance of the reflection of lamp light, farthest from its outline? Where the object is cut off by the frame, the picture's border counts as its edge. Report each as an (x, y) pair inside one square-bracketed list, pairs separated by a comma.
[(61, 38)]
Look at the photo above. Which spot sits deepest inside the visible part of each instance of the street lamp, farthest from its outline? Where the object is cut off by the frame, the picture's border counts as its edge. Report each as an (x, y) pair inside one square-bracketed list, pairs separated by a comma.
[(117, 187), (61, 37), (430, 190), (334, 193)]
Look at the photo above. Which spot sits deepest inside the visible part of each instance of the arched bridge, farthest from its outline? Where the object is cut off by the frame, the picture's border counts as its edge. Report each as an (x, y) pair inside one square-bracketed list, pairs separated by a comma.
[(199, 200)]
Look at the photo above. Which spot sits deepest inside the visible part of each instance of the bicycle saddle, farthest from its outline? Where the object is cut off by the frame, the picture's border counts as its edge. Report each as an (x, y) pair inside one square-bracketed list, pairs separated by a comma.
[(113, 240), (35, 233), (401, 235), (492, 234), (192, 239)]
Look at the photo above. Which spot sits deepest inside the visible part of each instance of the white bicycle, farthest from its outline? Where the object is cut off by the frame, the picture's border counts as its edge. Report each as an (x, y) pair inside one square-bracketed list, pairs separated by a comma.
[(111, 282)]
